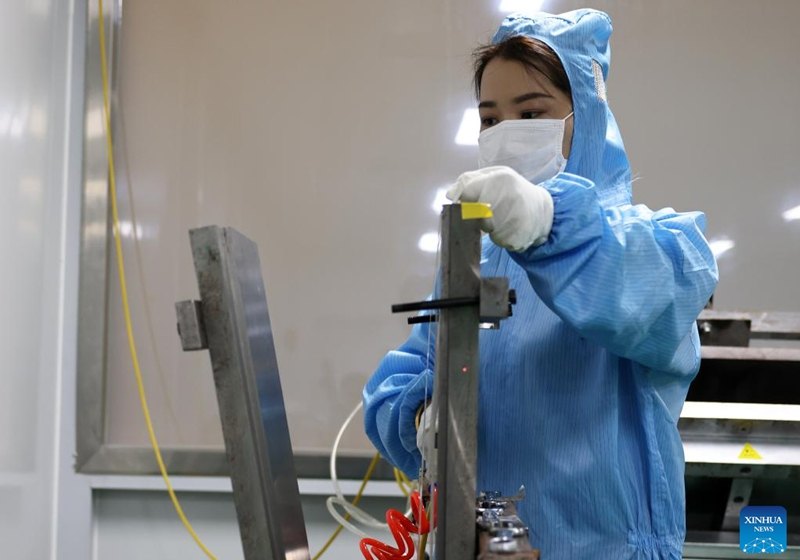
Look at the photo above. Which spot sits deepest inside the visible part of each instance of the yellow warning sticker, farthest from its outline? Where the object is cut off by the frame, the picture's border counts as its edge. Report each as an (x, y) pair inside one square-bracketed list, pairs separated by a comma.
[(475, 210), (749, 453)]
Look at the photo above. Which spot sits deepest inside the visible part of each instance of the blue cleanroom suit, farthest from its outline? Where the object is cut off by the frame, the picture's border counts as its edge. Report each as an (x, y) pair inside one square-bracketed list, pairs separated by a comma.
[(581, 390)]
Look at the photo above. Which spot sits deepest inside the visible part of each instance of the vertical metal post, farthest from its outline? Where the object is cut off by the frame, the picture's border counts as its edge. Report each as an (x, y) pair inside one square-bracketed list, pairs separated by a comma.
[(456, 387), (236, 321), (738, 499)]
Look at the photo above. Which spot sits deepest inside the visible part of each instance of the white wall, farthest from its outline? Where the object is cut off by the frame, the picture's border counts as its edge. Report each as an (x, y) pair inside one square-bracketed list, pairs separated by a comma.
[(322, 130), (41, 88)]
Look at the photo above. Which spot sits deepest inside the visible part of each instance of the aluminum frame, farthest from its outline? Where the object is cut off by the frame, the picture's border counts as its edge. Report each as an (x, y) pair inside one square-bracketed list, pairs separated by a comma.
[(775, 325), (93, 455), (242, 350)]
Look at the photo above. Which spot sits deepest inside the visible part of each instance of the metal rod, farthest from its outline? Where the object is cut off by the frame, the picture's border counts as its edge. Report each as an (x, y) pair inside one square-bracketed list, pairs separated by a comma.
[(456, 387), (423, 319), (445, 303)]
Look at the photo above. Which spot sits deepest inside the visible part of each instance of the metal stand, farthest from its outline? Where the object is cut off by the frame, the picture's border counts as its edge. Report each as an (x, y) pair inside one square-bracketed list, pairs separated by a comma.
[(456, 387), (466, 303), (232, 321)]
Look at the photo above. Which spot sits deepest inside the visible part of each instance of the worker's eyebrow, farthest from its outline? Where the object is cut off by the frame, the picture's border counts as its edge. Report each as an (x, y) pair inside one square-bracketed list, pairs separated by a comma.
[(517, 100), (533, 95)]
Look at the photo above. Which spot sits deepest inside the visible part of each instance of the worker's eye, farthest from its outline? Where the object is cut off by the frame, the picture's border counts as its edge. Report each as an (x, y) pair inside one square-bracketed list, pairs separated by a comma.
[(530, 114), (486, 122)]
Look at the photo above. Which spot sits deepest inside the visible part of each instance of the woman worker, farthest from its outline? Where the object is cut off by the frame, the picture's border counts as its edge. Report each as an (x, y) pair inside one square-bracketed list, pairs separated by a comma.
[(581, 390)]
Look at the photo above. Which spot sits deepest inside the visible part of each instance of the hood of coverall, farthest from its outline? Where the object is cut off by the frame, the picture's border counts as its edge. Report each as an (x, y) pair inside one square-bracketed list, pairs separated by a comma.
[(580, 39)]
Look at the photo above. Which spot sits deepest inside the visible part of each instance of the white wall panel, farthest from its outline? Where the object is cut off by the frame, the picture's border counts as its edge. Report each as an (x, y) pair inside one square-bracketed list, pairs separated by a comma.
[(40, 96), (324, 129)]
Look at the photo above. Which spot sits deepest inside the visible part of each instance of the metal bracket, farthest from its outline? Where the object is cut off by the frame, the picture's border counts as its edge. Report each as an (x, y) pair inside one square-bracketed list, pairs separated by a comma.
[(191, 328), (233, 323), (501, 533), (495, 301), (724, 332), (776, 325)]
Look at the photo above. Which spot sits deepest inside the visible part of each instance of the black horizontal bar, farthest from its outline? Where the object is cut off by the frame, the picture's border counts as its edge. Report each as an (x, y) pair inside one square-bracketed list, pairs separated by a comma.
[(423, 319), (435, 304)]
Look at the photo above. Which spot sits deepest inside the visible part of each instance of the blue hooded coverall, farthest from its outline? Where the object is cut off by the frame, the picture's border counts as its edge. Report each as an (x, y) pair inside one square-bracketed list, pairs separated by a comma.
[(581, 390)]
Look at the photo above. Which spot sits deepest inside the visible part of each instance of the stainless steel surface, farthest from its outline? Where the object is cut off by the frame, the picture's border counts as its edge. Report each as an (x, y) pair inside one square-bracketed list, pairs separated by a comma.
[(456, 387), (494, 298), (755, 354), (514, 528), (722, 441), (191, 328), (731, 470), (713, 551), (748, 438), (126, 459), (249, 394), (713, 545), (500, 531), (780, 325), (504, 541), (739, 497), (724, 332), (95, 239)]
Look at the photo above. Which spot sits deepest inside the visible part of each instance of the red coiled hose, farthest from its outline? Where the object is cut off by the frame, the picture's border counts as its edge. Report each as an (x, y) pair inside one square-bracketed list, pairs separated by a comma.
[(401, 527)]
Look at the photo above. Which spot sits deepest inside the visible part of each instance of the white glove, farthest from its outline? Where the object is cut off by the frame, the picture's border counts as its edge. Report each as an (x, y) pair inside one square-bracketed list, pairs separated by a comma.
[(426, 440), (522, 213)]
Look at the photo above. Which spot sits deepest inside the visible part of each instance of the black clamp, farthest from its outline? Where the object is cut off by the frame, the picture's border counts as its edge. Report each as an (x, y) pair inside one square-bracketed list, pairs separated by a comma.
[(494, 302)]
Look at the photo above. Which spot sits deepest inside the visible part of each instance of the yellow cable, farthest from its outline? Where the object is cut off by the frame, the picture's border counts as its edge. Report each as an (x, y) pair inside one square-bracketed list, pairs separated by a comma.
[(355, 501), (404, 478), (423, 541), (399, 480), (408, 483), (124, 289)]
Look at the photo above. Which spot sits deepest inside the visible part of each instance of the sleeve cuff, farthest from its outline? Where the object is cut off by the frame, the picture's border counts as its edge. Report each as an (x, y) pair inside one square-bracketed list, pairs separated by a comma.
[(577, 216)]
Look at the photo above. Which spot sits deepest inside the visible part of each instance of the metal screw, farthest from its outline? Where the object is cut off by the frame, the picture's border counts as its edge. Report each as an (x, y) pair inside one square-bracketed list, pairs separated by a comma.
[(504, 541), (517, 531)]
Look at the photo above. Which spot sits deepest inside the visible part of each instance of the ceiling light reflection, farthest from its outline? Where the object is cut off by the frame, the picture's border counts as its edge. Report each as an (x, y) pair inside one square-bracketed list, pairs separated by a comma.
[(38, 121), (792, 214), (721, 246), (469, 129), (13, 120), (521, 5), (440, 200), (429, 242), (95, 123), (126, 229)]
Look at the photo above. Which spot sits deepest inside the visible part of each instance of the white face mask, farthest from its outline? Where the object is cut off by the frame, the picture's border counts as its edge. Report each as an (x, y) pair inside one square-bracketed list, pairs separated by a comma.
[(531, 147)]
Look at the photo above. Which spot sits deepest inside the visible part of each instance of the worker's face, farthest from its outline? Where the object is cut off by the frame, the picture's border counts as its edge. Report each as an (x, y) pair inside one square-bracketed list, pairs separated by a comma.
[(509, 91)]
